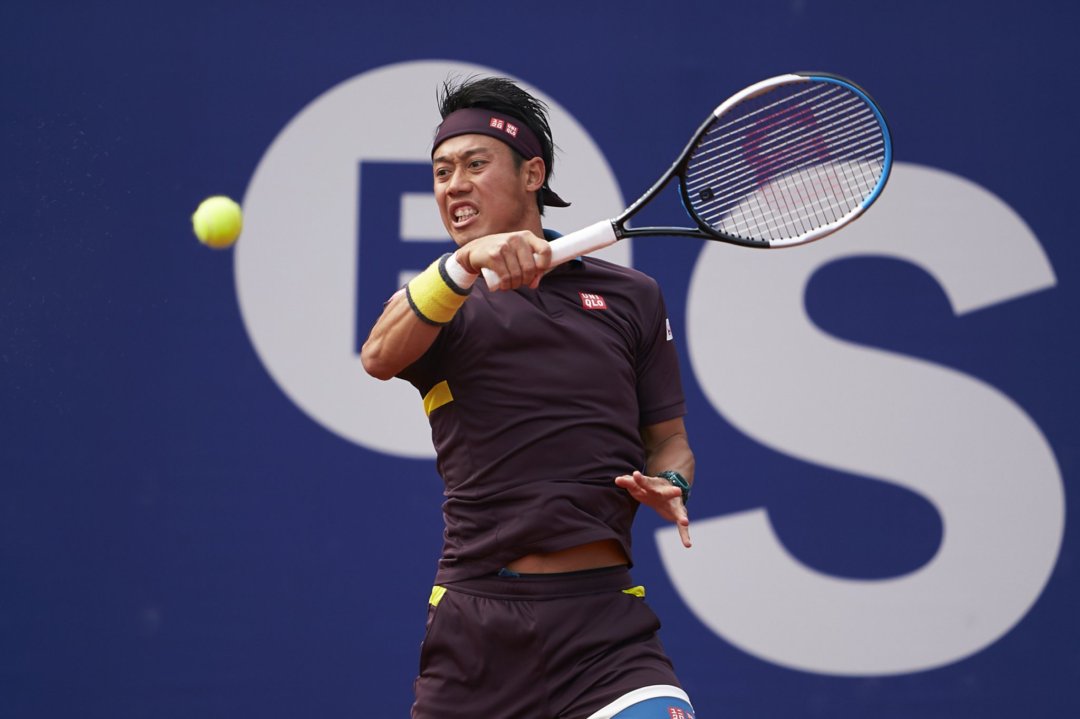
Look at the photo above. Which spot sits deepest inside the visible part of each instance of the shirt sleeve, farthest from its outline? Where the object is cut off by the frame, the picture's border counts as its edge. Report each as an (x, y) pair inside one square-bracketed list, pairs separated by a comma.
[(659, 384)]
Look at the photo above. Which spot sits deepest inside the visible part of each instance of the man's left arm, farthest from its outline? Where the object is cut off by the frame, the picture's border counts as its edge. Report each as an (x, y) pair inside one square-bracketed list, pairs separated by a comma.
[(667, 449)]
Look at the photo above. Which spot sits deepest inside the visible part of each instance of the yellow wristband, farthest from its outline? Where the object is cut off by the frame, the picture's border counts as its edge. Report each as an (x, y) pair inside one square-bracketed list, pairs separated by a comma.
[(433, 296)]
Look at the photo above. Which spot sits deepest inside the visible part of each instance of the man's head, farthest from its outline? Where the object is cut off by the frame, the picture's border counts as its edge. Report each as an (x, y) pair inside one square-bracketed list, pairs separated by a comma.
[(496, 107)]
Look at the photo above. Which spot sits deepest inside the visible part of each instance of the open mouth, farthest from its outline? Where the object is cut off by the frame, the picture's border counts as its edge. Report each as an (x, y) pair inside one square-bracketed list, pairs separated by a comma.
[(463, 215)]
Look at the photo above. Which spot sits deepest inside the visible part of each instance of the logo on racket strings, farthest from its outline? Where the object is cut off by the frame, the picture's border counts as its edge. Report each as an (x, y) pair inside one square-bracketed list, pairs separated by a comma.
[(768, 157)]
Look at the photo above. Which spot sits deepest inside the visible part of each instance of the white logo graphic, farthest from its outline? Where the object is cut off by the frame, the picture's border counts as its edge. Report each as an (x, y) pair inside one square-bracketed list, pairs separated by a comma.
[(297, 265), (958, 442)]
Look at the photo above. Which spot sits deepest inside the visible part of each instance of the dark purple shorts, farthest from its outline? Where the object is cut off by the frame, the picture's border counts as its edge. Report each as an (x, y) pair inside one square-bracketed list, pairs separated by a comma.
[(537, 646)]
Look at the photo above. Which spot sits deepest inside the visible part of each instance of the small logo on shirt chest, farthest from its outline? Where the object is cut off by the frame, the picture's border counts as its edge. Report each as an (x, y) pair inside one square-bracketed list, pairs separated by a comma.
[(592, 301)]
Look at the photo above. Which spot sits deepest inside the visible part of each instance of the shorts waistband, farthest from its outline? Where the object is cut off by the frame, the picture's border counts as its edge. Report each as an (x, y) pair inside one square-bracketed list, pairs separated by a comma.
[(546, 586)]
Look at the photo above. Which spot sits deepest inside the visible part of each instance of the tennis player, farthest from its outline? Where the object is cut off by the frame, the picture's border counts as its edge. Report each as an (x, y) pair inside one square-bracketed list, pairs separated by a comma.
[(556, 409)]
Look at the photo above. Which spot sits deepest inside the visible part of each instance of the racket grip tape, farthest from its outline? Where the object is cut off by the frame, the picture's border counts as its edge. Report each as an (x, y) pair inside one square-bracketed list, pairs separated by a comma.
[(588, 239)]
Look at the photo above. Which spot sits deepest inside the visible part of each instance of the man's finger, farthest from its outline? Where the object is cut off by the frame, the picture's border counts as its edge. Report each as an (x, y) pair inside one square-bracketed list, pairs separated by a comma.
[(684, 534)]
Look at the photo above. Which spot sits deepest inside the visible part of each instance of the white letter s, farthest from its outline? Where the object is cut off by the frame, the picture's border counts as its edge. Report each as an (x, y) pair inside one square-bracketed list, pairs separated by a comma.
[(960, 443)]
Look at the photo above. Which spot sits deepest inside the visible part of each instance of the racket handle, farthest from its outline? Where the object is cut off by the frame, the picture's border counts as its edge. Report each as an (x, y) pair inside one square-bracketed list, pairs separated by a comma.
[(588, 239)]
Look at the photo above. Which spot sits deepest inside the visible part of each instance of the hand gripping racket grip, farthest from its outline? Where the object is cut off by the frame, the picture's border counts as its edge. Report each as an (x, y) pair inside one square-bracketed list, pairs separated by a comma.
[(582, 242)]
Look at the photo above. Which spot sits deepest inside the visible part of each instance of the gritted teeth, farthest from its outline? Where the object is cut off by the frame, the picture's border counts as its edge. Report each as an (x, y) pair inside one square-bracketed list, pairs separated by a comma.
[(464, 213)]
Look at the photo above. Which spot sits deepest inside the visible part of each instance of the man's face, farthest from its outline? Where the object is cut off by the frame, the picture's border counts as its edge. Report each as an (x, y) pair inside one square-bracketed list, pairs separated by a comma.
[(481, 190)]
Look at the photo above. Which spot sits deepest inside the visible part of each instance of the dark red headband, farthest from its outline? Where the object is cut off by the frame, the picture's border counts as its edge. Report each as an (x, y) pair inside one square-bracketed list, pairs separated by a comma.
[(514, 132)]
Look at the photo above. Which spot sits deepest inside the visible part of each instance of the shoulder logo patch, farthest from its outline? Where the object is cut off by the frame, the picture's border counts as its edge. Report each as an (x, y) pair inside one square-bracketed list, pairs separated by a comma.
[(591, 301)]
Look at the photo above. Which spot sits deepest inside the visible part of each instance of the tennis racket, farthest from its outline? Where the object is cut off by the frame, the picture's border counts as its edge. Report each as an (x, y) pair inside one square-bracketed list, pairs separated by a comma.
[(784, 162)]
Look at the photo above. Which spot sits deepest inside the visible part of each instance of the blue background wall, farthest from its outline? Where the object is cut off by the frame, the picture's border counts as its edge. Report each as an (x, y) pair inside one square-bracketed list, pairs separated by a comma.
[(179, 538)]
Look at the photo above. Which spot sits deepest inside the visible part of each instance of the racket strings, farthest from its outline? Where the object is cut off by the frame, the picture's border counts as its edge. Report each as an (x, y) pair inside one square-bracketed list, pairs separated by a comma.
[(815, 187), (748, 132), (784, 152), (785, 149), (791, 155), (787, 162), (736, 127), (811, 193), (801, 208)]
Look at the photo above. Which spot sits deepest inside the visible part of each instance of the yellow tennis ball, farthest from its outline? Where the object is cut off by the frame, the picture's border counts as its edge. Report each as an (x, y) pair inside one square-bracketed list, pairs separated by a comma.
[(217, 222)]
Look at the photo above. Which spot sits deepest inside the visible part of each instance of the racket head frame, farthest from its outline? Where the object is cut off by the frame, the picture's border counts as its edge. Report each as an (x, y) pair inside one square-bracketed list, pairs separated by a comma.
[(764, 87), (679, 168)]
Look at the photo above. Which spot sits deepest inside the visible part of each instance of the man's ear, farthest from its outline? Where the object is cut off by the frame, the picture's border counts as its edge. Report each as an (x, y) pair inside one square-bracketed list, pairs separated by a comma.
[(535, 172)]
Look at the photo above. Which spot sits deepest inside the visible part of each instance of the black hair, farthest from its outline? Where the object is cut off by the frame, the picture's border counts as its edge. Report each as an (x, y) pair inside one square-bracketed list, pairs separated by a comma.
[(503, 96)]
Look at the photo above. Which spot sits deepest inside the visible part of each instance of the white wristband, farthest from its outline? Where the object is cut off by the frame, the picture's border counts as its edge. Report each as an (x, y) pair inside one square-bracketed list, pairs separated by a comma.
[(458, 274)]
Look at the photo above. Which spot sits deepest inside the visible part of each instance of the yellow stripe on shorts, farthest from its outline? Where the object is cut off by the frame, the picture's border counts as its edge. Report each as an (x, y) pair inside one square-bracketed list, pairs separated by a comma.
[(638, 591), (437, 396), (437, 593)]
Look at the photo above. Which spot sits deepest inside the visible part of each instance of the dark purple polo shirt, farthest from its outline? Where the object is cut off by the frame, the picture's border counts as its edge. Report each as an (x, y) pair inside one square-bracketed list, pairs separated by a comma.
[(549, 390)]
